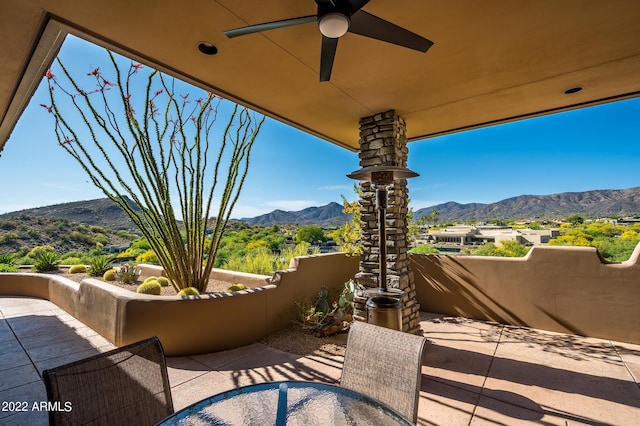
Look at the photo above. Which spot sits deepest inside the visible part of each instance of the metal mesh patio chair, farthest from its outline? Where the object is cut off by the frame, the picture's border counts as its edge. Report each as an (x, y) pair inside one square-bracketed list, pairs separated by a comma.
[(384, 364), (125, 386)]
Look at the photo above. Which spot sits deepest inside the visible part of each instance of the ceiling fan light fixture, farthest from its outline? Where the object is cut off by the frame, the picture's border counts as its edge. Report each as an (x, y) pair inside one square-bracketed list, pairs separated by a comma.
[(207, 48), (333, 25), (573, 90)]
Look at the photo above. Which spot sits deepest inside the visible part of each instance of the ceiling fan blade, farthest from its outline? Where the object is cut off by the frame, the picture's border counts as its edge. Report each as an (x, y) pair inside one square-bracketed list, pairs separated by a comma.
[(356, 5), (327, 55), (270, 26), (368, 25)]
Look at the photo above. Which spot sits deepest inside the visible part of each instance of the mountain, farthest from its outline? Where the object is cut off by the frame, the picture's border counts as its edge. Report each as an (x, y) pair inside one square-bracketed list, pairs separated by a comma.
[(597, 203), (326, 216), (100, 212), (621, 202)]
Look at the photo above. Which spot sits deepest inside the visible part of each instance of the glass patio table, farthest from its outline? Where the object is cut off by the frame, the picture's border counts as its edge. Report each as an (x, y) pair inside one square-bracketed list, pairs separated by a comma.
[(287, 403)]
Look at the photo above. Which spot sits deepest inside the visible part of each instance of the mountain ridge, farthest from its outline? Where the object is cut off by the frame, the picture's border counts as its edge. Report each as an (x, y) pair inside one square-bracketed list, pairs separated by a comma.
[(612, 202), (594, 203)]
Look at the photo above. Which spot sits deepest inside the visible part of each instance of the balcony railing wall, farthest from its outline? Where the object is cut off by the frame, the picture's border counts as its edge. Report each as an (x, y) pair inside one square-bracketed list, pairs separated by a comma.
[(564, 289)]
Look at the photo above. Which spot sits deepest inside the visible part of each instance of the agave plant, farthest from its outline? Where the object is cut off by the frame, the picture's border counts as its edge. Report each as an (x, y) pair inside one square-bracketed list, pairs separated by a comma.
[(46, 261)]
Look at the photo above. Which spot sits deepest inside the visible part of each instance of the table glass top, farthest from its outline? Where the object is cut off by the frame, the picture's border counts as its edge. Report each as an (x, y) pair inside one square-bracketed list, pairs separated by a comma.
[(287, 403)]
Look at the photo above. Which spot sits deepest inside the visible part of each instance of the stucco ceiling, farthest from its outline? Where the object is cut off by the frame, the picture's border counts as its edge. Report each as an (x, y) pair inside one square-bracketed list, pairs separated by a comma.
[(492, 61)]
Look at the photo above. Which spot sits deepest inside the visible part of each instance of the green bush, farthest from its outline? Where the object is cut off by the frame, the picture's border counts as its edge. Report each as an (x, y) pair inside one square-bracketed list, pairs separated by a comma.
[(424, 249), (189, 291), (77, 269), (71, 261), (81, 237), (150, 287), (6, 267), (8, 238), (38, 249), (46, 261), (99, 265), (7, 225), (101, 239), (7, 258), (97, 229), (148, 257)]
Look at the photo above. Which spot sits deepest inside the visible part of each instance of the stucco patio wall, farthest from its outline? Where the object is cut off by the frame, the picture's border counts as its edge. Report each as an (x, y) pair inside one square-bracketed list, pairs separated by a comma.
[(563, 289), (189, 325)]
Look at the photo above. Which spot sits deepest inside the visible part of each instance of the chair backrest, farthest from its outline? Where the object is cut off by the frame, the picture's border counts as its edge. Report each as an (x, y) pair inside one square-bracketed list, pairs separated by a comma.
[(384, 364), (128, 385)]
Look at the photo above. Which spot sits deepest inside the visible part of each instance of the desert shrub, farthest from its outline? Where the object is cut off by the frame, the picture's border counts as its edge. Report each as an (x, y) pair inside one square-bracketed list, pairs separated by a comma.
[(81, 237), (148, 257), (96, 251), (164, 281), (236, 287), (98, 265), (150, 287), (6, 267), (109, 275), (97, 229), (72, 253), (131, 252), (255, 244), (46, 261), (7, 225), (257, 261), (284, 260), (189, 291), (71, 261), (424, 249), (7, 258), (33, 253), (126, 234), (127, 274), (8, 237), (101, 239), (77, 269)]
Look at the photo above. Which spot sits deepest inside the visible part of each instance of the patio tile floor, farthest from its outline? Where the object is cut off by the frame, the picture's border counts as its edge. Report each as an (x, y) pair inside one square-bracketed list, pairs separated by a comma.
[(474, 373)]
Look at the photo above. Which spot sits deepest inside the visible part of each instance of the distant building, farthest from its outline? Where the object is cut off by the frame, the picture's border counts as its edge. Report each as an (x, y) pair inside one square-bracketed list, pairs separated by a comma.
[(628, 220), (115, 248), (469, 235)]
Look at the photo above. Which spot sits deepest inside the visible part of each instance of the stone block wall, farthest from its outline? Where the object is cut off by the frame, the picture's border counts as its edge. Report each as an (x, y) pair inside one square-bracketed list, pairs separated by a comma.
[(383, 142)]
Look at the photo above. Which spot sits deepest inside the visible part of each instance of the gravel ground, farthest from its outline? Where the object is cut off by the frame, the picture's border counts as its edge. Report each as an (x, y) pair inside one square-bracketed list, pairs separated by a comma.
[(214, 285)]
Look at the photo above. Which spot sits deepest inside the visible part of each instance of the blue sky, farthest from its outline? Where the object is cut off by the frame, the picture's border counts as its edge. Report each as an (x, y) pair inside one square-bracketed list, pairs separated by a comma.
[(591, 148)]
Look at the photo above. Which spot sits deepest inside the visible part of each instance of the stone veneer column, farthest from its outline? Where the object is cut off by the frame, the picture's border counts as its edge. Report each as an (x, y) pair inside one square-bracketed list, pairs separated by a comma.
[(383, 142)]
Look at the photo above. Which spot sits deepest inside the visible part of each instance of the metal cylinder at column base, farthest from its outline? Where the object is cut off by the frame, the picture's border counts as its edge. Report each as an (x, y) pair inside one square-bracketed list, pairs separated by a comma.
[(385, 311)]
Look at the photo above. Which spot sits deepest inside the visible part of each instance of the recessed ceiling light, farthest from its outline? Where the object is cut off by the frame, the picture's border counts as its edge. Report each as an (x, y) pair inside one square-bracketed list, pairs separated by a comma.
[(573, 90), (207, 48)]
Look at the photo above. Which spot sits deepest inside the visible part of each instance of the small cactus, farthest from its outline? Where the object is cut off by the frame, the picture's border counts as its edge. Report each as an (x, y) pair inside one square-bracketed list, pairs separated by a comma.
[(150, 287), (236, 287), (110, 275), (189, 291), (163, 281), (77, 269), (152, 278)]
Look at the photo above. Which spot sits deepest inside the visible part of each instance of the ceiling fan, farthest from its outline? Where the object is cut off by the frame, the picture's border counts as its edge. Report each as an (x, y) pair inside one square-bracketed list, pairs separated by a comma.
[(337, 17)]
